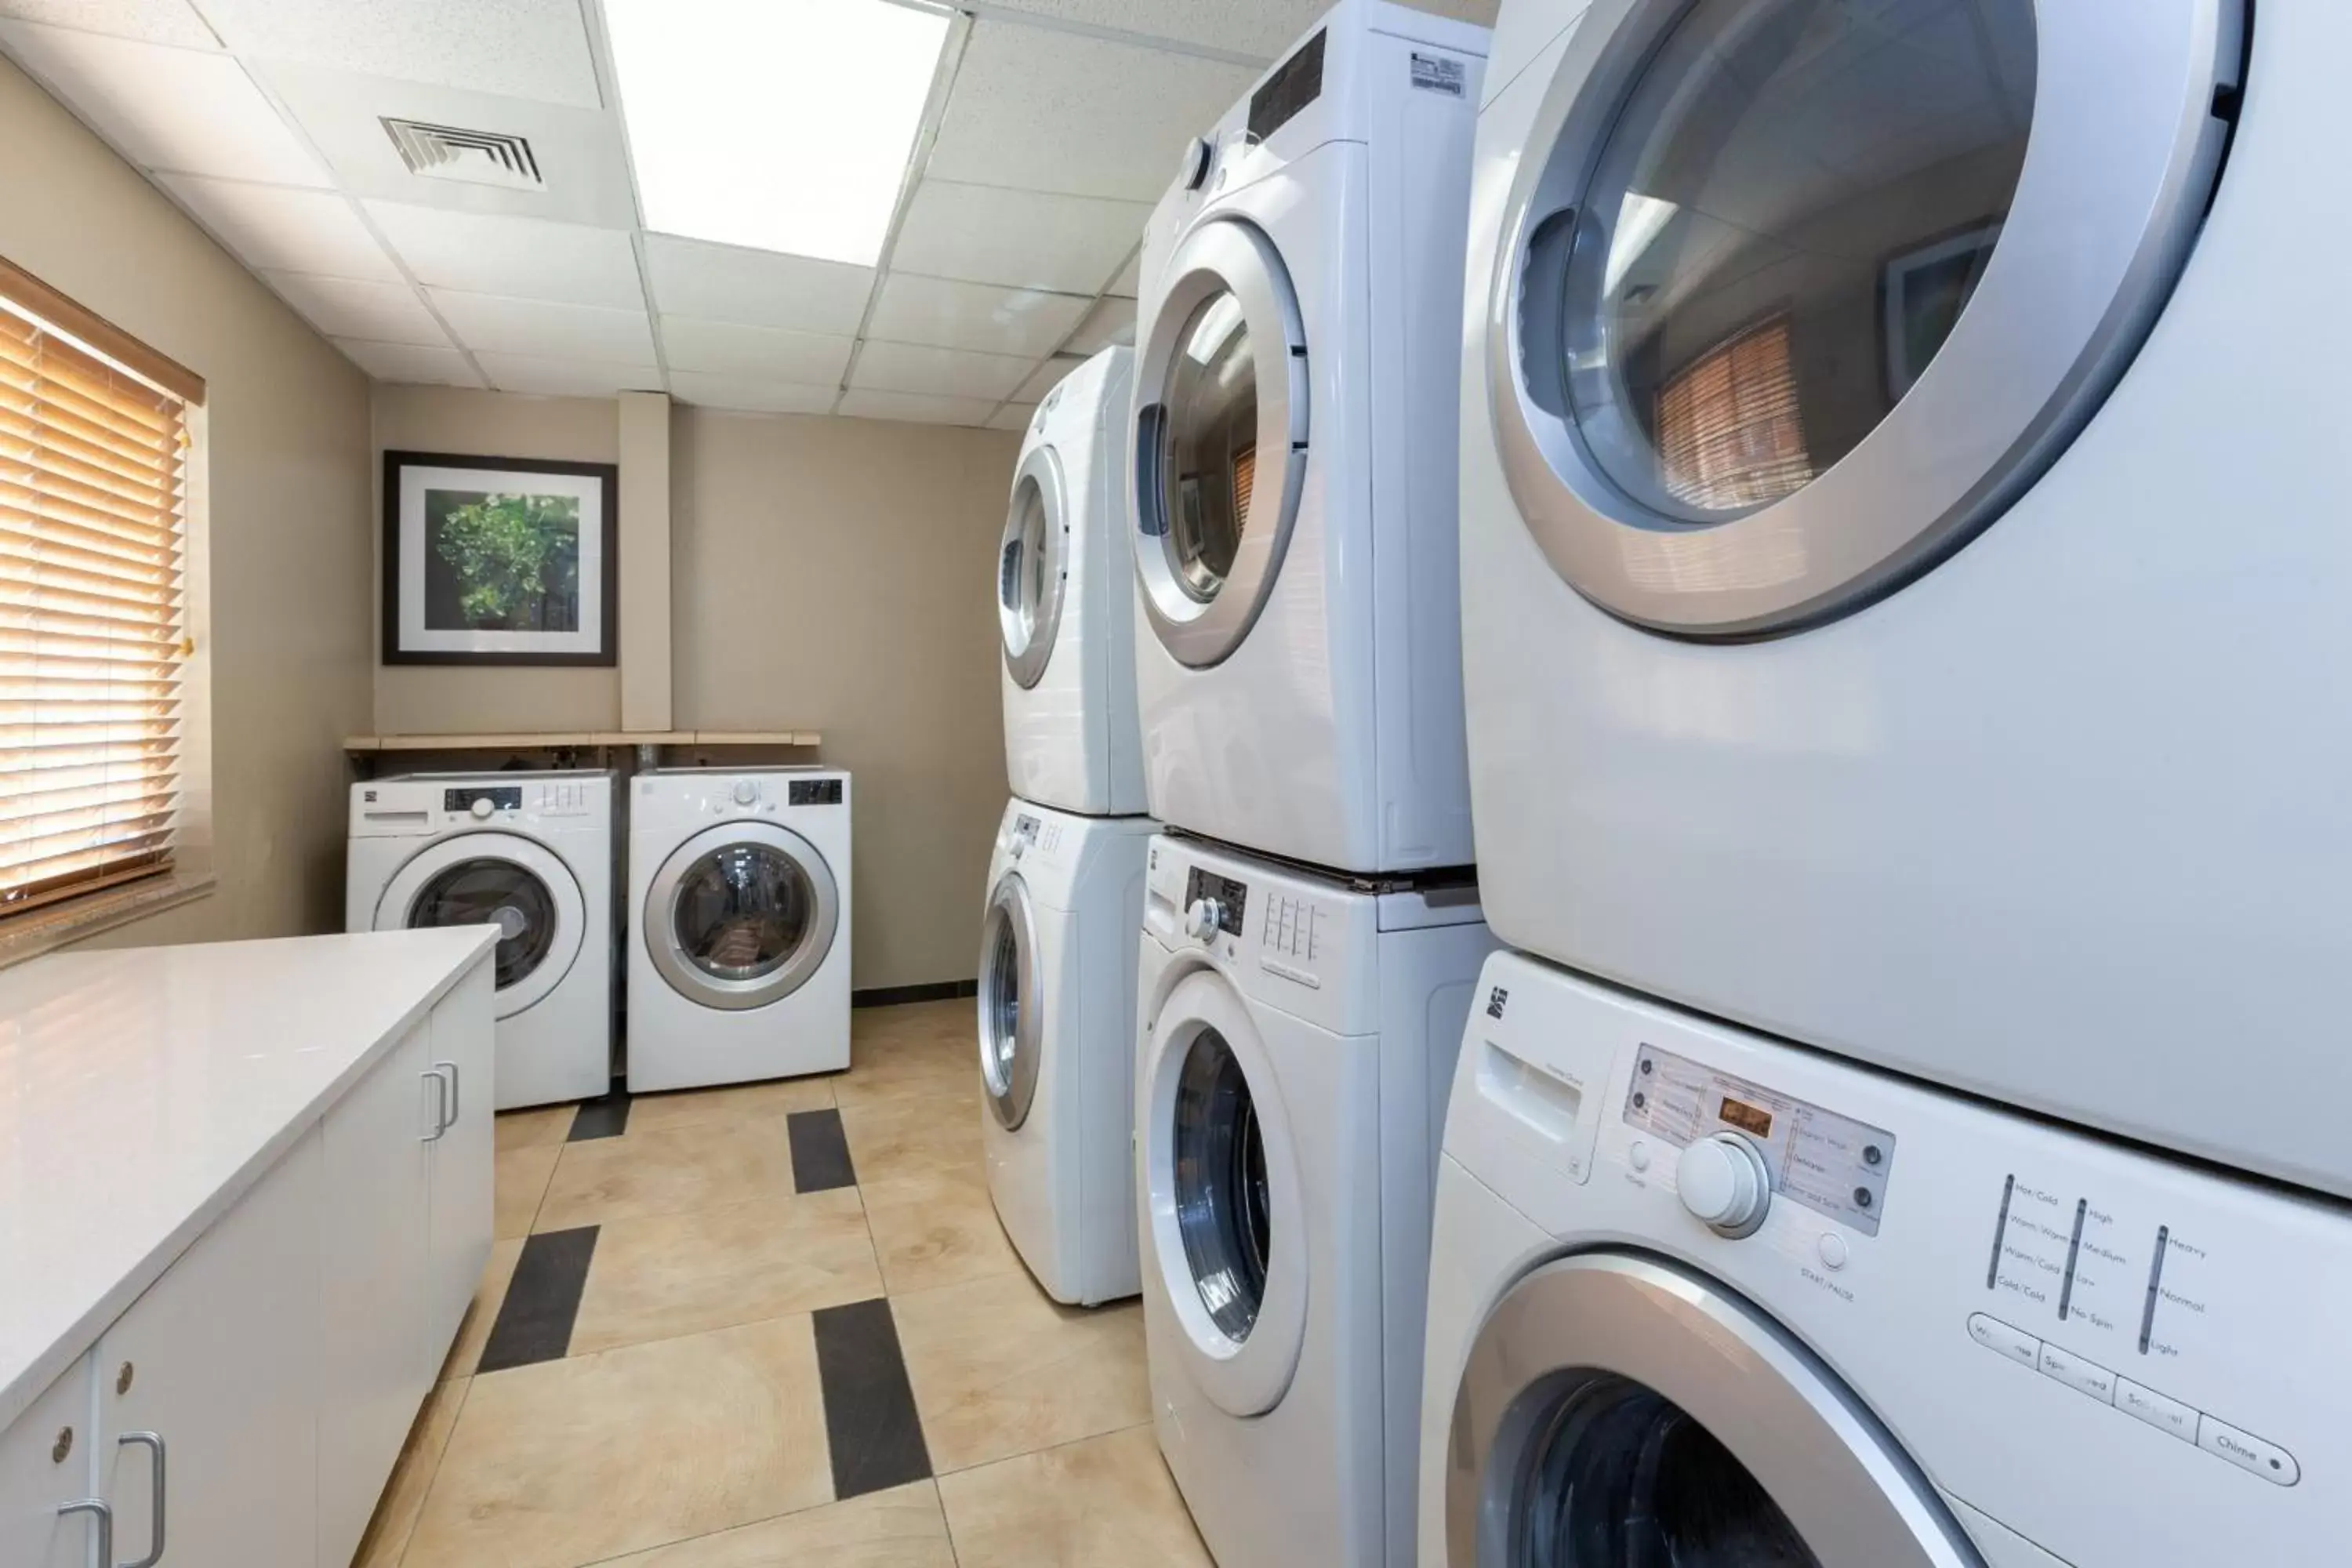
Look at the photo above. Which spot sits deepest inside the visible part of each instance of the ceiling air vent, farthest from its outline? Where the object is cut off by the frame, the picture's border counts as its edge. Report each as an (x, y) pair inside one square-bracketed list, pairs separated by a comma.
[(474, 157)]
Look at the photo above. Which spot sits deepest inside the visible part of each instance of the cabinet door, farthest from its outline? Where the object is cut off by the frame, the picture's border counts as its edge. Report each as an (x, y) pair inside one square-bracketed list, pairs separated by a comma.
[(377, 1152), (44, 1465), (220, 1358), (465, 1028)]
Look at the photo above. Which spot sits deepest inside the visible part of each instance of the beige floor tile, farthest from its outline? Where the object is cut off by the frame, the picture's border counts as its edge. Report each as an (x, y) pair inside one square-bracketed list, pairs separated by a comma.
[(935, 1230), (672, 1172), (902, 1528), (488, 1296), (572, 1461), (396, 1512), (903, 1069), (533, 1129), (522, 1178), (1000, 1369), (680, 1274), (1103, 1500), (915, 1020), (921, 1135), (737, 1102)]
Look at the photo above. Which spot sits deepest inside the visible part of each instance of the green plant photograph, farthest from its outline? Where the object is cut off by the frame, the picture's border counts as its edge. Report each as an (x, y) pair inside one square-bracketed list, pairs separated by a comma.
[(500, 561)]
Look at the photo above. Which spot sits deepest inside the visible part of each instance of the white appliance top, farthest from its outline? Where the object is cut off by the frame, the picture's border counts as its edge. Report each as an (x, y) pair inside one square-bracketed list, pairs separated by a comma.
[(410, 805), (670, 799)]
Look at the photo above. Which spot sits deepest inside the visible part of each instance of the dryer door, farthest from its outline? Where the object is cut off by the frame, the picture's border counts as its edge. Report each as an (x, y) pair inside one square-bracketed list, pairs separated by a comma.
[(1617, 1411), (1012, 1003), (517, 884), (741, 914), (1785, 312), (1226, 1212), (1220, 439), (1032, 565)]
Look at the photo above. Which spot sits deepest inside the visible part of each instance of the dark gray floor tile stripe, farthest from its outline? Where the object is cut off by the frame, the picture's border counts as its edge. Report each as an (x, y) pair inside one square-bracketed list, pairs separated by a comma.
[(899, 995), (870, 1424), (534, 1321), (820, 1152), (606, 1116)]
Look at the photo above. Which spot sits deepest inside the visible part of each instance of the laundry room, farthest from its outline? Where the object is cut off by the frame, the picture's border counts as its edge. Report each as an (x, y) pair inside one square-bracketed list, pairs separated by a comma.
[(1222, 783)]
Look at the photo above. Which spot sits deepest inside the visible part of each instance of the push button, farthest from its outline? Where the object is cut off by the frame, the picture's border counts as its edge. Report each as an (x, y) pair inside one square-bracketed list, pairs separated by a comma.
[(1995, 1335), (2075, 1373), (2247, 1451), (2164, 1414)]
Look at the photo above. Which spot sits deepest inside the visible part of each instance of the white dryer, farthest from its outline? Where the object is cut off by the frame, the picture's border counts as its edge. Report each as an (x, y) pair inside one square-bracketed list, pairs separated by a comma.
[(1296, 1036), (531, 853), (1056, 1044), (1297, 658), (1948, 688), (1699, 1297), (738, 925), (1065, 603)]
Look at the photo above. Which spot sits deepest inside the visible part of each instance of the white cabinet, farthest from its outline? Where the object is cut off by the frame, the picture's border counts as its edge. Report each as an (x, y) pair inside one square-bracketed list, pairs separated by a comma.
[(43, 1467), (465, 1029)]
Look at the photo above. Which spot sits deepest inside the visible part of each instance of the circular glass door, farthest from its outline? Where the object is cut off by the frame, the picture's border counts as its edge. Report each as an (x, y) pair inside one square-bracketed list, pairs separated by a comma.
[(518, 885), (1783, 313), (1223, 1209), (740, 915), (1031, 566), (1011, 1003), (1221, 442)]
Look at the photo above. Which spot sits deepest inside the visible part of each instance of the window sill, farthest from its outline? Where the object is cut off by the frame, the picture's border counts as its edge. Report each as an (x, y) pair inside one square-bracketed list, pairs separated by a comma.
[(44, 930)]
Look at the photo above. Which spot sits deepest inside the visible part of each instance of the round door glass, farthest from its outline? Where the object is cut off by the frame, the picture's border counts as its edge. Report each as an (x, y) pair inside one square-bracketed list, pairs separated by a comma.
[(496, 893), (999, 1008), (1208, 464), (1618, 1476), (1784, 223), (1221, 1205), (1021, 566), (742, 910)]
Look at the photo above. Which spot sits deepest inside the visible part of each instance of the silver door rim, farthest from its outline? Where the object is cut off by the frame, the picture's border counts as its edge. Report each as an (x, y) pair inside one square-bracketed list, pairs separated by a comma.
[(1008, 956), (1026, 663), (697, 984), (531, 856), (1230, 255), (2119, 168), (1822, 1458)]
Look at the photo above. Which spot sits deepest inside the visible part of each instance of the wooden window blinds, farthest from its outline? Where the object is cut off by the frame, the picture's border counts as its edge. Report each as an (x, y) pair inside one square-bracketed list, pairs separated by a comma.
[(93, 521), (1728, 430)]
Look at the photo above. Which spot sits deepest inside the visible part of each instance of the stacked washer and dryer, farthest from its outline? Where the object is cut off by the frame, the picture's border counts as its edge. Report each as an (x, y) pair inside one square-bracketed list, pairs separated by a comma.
[(1311, 926), (1900, 565)]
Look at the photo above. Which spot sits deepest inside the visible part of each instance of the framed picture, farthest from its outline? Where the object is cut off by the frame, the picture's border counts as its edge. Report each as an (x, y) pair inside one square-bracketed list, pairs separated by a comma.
[(1920, 293), (499, 560)]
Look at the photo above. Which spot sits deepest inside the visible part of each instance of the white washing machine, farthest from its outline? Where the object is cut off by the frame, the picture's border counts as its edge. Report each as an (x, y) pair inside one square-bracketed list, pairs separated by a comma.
[(739, 925), (1952, 689), (1295, 1038), (531, 853), (1065, 601), (1056, 1044), (1297, 655), (1699, 1297)]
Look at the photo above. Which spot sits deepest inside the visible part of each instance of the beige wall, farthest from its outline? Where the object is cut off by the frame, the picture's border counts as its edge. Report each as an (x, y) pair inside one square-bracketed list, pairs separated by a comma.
[(290, 536)]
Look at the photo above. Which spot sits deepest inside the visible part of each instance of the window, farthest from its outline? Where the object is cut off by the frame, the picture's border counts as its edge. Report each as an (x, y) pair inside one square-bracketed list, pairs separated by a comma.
[(96, 437), (1729, 435)]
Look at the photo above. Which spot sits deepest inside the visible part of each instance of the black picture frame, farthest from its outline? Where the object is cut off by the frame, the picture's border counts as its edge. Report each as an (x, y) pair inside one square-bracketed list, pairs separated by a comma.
[(401, 638)]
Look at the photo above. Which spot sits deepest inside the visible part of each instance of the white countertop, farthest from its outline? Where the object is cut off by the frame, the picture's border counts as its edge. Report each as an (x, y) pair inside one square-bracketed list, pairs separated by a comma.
[(142, 1091)]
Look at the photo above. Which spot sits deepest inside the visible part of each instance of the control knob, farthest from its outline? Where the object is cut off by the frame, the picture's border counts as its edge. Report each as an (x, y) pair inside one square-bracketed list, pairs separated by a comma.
[(746, 792), (1724, 1183), (1203, 920), (482, 807)]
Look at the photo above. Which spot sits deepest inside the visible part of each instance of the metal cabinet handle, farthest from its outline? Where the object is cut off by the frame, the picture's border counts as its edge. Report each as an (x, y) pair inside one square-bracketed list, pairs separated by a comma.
[(441, 1117), (156, 1468), (102, 1511), (457, 1100)]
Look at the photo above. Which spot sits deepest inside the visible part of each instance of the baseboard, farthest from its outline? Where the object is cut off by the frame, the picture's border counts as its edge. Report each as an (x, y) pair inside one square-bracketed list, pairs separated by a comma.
[(893, 996)]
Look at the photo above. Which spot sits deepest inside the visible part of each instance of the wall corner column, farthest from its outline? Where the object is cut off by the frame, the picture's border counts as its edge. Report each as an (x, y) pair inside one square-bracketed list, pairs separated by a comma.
[(645, 562)]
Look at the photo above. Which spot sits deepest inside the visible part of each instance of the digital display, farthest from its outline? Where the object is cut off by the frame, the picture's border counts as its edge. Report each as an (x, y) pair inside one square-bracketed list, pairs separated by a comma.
[(501, 798), (1294, 84), (812, 792), (1746, 1118)]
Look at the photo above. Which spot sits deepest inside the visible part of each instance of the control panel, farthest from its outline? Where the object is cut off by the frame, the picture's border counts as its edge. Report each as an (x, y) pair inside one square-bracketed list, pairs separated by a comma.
[(463, 802), (1227, 899), (812, 792)]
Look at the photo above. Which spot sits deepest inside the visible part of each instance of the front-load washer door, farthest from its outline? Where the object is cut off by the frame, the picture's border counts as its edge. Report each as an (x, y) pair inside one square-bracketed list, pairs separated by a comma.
[(1616, 1411), (1795, 296), (1226, 1213), (1220, 439), (1032, 566), (1012, 1003), (516, 884), (740, 915)]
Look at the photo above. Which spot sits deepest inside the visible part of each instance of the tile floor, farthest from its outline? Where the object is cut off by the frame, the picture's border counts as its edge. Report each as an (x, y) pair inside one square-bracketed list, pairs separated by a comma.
[(779, 1324)]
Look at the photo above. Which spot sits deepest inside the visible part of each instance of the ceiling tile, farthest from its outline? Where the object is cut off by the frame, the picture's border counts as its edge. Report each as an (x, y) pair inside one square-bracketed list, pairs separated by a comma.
[(521, 257), (502, 325), (167, 108), (275, 228), (1129, 283), (758, 287), (1111, 322), (907, 367), (405, 363), (1026, 239), (521, 49), (1047, 376), (567, 377), (915, 407), (1024, 321), (755, 395), (1013, 417), (156, 21), (1261, 27), (346, 307), (761, 354), (1059, 111)]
